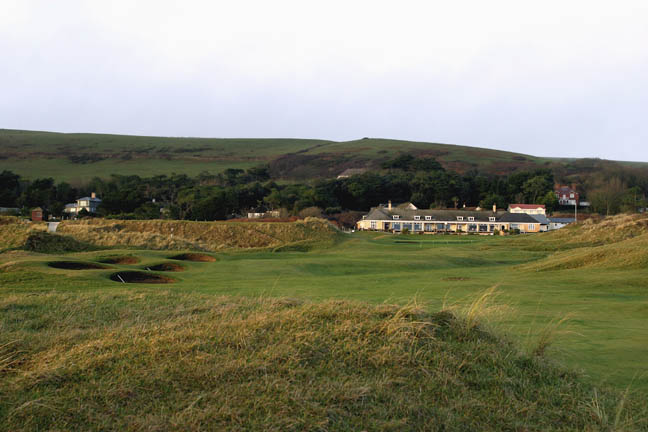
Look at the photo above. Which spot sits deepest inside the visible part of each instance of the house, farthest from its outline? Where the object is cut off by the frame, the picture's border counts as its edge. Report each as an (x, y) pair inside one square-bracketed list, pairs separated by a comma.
[(89, 204), (530, 209), (37, 214), (557, 223), (536, 211), (567, 196), (265, 214), (405, 206), (9, 210), (542, 220), (351, 172), (397, 219)]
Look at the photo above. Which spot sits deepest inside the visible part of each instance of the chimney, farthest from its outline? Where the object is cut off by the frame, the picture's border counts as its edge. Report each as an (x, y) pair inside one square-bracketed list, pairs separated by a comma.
[(93, 195), (494, 208), (389, 205)]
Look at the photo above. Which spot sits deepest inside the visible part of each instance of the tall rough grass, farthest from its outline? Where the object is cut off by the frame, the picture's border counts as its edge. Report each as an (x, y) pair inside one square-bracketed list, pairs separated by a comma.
[(161, 360), (205, 236)]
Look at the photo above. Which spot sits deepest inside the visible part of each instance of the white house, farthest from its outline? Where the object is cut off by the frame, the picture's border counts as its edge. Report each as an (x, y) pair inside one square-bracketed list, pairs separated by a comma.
[(89, 204)]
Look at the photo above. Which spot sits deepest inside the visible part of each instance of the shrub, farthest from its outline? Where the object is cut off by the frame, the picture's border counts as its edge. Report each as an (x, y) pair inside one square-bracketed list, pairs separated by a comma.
[(315, 212)]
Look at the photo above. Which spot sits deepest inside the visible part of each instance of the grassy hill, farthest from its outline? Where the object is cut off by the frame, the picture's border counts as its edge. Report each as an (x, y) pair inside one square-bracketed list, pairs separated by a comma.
[(79, 157), (144, 359), (166, 235)]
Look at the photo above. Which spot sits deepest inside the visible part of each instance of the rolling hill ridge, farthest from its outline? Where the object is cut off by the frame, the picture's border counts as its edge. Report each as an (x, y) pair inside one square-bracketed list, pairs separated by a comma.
[(79, 157)]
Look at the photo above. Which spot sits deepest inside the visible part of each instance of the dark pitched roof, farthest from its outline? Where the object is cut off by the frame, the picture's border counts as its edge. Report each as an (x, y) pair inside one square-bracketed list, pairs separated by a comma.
[(541, 218), (378, 213), (382, 213), (518, 218)]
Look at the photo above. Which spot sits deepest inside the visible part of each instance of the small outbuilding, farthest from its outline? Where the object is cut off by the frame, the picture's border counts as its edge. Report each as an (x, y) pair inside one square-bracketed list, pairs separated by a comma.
[(37, 214)]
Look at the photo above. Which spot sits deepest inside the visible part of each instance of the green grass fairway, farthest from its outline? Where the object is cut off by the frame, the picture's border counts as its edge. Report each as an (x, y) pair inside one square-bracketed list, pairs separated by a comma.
[(606, 335)]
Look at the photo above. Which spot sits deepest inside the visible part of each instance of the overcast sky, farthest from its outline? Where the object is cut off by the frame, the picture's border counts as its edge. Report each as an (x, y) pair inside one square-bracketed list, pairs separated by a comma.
[(549, 78)]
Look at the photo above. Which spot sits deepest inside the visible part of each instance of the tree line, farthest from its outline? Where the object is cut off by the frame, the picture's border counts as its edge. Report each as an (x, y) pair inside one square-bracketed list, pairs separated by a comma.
[(423, 181)]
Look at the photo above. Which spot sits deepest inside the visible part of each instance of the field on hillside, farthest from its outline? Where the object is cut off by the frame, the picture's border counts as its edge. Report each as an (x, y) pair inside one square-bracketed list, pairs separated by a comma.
[(79, 157), (600, 288)]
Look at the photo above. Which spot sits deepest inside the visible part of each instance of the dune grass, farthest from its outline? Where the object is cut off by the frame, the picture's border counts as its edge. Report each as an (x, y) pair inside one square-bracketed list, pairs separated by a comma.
[(204, 236), (133, 359)]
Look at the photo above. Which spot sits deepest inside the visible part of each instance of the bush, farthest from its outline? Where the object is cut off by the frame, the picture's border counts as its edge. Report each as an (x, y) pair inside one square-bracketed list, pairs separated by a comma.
[(315, 212), (405, 231)]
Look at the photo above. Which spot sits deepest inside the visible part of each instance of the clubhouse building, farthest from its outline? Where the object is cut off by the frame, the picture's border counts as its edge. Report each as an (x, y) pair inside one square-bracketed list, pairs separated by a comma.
[(408, 217)]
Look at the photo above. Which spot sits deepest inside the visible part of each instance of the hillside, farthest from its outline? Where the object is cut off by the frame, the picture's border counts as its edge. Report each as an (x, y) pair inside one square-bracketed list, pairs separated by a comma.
[(79, 157), (619, 242), (589, 233), (161, 360)]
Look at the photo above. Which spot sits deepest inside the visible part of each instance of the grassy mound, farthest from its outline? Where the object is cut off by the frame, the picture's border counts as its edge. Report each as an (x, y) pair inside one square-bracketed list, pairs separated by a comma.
[(170, 361), (617, 242), (589, 233), (197, 257), (53, 243), (626, 254), (120, 259), (14, 232), (167, 266), (204, 236)]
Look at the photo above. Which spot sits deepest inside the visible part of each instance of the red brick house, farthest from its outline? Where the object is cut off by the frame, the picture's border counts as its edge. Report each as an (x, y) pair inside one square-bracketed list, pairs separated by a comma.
[(566, 195)]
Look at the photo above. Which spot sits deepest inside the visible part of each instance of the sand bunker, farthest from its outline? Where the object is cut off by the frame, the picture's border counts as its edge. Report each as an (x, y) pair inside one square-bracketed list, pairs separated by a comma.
[(122, 259), (140, 277), (194, 257), (76, 265), (167, 266)]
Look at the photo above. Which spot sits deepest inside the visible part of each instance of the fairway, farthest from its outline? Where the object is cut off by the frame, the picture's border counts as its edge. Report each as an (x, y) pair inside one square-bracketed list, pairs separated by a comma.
[(605, 335)]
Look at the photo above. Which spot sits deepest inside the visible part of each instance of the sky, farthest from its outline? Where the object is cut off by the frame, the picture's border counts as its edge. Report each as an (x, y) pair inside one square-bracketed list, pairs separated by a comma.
[(551, 78)]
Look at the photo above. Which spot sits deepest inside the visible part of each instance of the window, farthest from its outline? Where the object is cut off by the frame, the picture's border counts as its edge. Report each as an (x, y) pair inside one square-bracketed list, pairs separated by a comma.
[(483, 227), (428, 217), (459, 218), (407, 226), (417, 217), (440, 227), (472, 227), (418, 227), (471, 218), (373, 224), (396, 217), (531, 227), (396, 226), (491, 219)]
